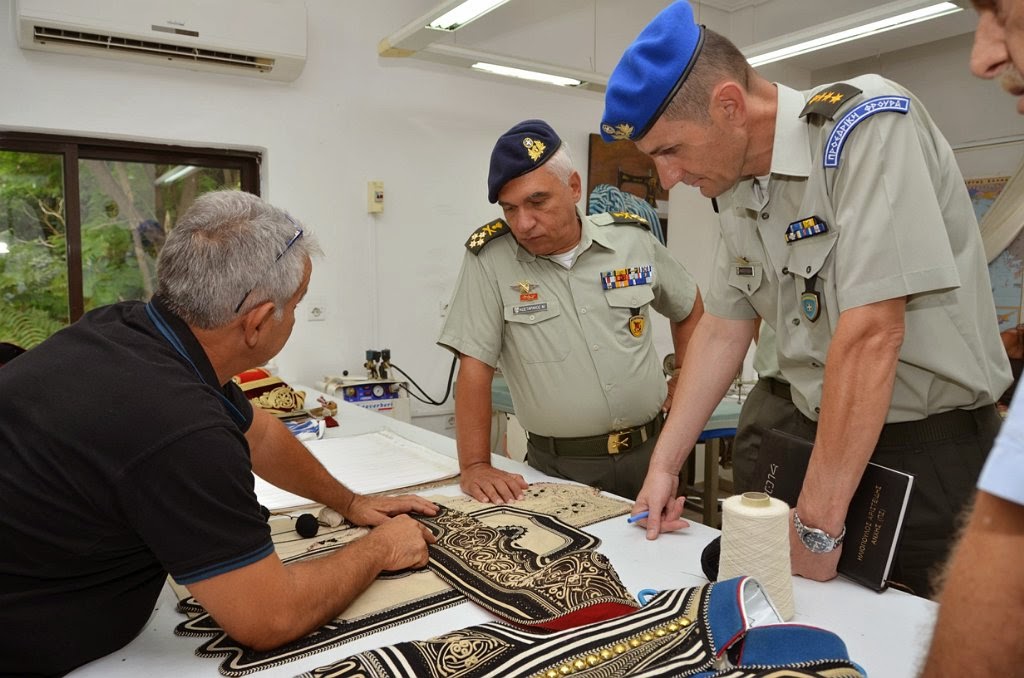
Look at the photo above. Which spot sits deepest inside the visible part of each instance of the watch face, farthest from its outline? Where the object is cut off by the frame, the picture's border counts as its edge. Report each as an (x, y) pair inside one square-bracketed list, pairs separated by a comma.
[(817, 541)]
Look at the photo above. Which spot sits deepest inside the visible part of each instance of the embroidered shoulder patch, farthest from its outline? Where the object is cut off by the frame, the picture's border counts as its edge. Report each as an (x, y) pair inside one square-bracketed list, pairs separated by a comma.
[(829, 100), (485, 234), (863, 111)]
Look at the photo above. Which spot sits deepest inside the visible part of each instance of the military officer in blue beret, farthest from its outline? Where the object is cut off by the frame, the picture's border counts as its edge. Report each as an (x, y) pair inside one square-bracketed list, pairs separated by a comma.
[(562, 303), (846, 226)]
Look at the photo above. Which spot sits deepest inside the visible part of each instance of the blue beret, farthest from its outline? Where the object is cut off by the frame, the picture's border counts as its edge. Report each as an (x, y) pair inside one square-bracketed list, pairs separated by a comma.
[(650, 72), (522, 149)]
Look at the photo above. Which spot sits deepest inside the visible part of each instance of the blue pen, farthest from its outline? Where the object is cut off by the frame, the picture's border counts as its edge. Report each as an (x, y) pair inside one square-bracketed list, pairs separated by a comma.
[(639, 516)]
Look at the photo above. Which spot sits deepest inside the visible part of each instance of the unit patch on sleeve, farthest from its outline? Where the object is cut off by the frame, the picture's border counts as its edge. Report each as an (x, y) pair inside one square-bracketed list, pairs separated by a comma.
[(863, 111), (485, 234), (829, 100)]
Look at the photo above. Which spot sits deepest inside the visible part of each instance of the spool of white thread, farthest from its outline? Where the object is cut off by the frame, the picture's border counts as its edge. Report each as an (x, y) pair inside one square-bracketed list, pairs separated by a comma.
[(755, 542)]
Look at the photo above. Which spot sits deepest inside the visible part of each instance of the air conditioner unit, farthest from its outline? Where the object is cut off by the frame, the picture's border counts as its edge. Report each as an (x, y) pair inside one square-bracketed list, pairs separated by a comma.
[(262, 38)]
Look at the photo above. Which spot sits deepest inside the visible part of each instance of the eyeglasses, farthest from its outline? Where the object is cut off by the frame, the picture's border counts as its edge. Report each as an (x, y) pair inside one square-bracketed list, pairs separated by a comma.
[(298, 234)]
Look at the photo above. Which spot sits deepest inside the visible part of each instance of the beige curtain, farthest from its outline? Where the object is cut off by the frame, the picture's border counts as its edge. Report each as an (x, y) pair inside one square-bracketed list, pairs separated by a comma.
[(1005, 218)]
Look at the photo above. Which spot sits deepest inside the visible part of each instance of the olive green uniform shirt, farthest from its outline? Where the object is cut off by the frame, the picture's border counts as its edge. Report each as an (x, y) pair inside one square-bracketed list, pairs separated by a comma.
[(899, 224), (563, 342)]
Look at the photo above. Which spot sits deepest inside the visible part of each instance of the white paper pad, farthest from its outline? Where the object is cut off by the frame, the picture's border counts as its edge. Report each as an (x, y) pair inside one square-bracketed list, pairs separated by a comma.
[(372, 462)]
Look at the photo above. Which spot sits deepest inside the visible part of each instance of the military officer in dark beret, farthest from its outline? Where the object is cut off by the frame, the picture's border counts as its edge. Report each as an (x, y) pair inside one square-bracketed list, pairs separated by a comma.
[(846, 226), (562, 303)]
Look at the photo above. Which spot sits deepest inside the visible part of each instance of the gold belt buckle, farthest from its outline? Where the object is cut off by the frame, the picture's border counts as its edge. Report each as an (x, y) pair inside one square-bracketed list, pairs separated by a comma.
[(619, 441)]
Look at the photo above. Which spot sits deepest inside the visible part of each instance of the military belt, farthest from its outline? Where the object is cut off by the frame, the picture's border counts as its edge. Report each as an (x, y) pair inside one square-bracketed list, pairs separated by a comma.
[(932, 429), (615, 442)]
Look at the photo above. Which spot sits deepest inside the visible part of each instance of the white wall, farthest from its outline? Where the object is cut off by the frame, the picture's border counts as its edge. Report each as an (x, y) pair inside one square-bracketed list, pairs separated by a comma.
[(352, 117)]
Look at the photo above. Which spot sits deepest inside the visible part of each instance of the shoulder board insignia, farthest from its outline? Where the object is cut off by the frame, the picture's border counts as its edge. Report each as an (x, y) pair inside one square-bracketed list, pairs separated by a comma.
[(620, 218), (855, 116), (485, 234), (829, 100)]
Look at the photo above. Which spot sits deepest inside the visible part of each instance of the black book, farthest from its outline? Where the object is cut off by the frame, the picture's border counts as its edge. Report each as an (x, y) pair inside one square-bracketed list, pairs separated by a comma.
[(874, 520)]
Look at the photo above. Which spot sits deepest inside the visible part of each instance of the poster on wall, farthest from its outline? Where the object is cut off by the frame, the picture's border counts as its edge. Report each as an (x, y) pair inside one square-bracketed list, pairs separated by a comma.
[(1007, 269), (622, 179)]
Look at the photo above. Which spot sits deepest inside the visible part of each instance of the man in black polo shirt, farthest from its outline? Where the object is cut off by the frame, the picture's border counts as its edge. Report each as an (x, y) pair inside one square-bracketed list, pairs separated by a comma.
[(126, 453)]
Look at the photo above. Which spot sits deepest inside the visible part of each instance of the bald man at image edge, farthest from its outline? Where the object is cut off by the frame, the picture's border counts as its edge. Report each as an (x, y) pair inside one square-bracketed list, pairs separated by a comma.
[(846, 226), (983, 589), (562, 302)]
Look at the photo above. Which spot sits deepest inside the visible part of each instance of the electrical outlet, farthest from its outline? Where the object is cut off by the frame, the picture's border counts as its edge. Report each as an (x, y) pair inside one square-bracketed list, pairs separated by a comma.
[(316, 311), (375, 197)]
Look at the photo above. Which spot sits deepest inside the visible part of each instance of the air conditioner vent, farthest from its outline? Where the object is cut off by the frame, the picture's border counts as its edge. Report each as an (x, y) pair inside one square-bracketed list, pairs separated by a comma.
[(43, 35)]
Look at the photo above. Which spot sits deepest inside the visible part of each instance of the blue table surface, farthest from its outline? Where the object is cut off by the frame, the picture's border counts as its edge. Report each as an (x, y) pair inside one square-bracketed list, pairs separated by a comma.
[(725, 415)]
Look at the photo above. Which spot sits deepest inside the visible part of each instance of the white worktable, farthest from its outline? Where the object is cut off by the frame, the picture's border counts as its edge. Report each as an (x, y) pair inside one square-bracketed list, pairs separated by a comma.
[(887, 633)]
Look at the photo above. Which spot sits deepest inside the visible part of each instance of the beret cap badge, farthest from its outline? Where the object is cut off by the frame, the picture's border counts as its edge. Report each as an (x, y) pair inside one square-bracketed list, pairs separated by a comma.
[(618, 132), (534, 147), (650, 72), (508, 161)]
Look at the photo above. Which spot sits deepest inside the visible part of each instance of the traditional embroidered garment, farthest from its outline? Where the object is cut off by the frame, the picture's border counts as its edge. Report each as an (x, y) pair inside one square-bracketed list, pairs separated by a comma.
[(682, 632), (271, 393), (552, 591), (395, 598)]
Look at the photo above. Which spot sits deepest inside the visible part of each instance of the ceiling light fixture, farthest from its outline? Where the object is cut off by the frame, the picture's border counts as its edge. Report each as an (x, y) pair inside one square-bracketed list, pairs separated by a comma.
[(176, 173), (466, 12), (524, 74), (865, 25)]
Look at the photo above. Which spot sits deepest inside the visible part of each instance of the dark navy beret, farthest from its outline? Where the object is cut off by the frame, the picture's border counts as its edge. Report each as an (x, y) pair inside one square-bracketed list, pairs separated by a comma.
[(650, 72), (522, 149)]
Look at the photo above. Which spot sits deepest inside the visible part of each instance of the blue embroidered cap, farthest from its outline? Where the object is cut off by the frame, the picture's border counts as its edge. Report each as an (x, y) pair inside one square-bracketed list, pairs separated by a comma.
[(650, 72), (522, 149)]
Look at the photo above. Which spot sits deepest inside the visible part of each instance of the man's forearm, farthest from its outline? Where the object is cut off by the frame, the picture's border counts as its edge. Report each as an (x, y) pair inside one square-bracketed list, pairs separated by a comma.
[(473, 412), (982, 595), (713, 356), (279, 458), (857, 391)]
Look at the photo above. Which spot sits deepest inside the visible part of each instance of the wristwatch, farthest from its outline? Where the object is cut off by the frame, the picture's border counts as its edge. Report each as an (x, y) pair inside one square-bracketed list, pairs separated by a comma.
[(817, 541)]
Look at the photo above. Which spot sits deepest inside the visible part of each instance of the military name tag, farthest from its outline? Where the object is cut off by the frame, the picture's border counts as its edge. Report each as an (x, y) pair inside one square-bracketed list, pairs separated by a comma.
[(529, 308), (627, 277)]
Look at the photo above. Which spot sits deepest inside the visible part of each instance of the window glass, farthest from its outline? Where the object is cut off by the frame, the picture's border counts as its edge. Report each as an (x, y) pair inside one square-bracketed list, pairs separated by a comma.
[(64, 254), (127, 210), (33, 247)]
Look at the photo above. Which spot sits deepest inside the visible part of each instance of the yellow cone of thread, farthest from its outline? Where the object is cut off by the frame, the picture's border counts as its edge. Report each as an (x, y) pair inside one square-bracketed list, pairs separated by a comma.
[(755, 542)]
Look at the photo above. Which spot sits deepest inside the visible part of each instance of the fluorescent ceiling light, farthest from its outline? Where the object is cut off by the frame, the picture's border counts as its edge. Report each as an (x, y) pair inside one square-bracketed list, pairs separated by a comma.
[(463, 14), (526, 75), (175, 174), (861, 31)]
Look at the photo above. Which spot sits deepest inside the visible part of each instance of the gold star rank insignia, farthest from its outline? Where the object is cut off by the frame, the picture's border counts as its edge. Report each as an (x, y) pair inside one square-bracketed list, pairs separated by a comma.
[(627, 217), (829, 100), (485, 234)]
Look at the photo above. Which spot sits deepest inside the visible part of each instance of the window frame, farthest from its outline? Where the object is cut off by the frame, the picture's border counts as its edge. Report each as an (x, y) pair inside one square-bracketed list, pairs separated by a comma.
[(75, 148)]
